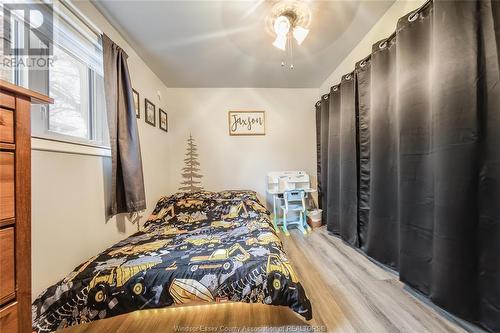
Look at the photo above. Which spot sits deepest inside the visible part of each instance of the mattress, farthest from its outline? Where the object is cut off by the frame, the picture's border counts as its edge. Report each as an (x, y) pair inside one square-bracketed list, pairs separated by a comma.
[(194, 248)]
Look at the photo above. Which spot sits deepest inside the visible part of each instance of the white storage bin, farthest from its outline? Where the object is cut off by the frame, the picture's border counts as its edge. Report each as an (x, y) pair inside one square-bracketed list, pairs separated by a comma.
[(314, 217)]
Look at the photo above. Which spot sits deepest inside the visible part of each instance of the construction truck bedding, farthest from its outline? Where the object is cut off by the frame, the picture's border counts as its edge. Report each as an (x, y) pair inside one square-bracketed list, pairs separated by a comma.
[(195, 247)]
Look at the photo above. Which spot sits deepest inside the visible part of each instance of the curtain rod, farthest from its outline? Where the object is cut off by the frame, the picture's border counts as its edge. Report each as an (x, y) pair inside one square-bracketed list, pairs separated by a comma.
[(75, 11), (416, 11)]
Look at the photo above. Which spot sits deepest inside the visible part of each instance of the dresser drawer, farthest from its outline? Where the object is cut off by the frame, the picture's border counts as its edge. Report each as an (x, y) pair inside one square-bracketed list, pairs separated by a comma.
[(6, 125), (7, 266), (8, 318), (7, 100), (7, 185)]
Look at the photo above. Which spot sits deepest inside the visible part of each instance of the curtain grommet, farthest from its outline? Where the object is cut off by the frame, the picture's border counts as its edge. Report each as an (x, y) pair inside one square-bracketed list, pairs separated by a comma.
[(412, 17), (325, 97), (382, 45), (335, 88), (347, 77), (362, 64)]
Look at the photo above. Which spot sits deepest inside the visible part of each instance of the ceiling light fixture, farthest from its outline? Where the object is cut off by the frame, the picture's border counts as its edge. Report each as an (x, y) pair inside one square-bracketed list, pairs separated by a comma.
[(281, 28), (300, 33), (280, 42), (290, 20)]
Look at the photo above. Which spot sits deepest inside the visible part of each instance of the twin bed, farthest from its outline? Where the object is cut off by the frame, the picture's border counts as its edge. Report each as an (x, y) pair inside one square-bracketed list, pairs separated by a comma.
[(199, 247)]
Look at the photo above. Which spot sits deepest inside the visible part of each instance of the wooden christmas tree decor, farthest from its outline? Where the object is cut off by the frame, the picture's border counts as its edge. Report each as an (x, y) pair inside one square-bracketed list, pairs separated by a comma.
[(190, 172)]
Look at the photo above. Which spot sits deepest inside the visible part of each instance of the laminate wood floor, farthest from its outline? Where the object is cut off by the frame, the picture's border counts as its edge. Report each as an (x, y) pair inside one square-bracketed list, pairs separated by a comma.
[(348, 292)]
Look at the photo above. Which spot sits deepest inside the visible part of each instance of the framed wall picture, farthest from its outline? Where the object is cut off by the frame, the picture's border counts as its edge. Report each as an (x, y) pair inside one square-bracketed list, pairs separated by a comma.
[(163, 120), (247, 122), (137, 107), (150, 112)]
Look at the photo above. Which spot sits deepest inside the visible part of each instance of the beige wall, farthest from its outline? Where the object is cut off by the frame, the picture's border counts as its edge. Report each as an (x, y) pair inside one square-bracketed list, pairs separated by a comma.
[(242, 162), (382, 29), (68, 189)]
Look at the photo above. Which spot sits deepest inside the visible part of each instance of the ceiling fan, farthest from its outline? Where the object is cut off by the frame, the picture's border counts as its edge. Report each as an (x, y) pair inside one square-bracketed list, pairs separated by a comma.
[(284, 26), (290, 22)]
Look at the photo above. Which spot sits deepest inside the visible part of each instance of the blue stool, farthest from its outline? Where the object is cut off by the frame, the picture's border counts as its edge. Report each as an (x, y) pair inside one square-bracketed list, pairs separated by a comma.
[(294, 202)]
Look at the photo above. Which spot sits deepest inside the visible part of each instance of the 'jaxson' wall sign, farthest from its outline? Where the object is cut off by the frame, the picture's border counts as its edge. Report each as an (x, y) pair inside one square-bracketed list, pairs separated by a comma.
[(247, 123)]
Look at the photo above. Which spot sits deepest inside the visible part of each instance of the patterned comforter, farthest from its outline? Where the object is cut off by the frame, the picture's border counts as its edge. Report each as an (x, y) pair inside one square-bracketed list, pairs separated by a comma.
[(201, 247)]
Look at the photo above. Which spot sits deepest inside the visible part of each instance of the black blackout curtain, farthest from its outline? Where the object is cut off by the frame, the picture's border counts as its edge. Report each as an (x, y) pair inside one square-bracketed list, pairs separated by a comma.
[(127, 191), (409, 156)]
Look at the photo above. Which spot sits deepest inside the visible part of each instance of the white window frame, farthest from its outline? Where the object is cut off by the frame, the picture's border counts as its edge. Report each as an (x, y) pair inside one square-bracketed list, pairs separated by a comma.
[(99, 141)]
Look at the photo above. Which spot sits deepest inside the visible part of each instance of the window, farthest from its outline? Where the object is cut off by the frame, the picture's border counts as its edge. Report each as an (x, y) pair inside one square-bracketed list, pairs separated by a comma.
[(73, 77), (68, 82)]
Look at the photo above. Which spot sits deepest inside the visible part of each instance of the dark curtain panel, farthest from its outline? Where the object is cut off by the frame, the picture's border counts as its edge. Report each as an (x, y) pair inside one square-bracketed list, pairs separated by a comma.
[(457, 148), (419, 146), (488, 229), (323, 182), (416, 162), (318, 151), (342, 161), (348, 161), (382, 239), (333, 186), (363, 75), (127, 192)]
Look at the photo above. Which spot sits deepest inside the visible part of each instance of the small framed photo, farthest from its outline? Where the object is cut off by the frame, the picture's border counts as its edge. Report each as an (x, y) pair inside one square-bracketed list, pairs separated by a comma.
[(163, 120), (137, 107), (150, 111)]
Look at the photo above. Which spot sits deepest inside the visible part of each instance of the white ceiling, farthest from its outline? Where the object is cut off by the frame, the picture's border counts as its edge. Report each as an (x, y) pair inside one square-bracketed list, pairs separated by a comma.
[(226, 43)]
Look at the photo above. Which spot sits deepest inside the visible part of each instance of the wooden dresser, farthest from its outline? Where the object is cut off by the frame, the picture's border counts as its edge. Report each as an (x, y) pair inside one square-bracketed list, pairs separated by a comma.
[(15, 206)]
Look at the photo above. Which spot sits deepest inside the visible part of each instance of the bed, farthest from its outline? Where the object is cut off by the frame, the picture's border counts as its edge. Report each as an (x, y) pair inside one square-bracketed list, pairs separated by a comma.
[(199, 247)]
